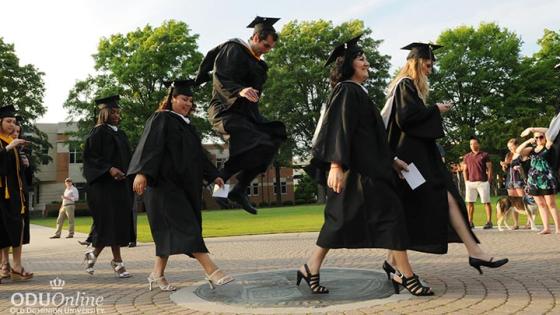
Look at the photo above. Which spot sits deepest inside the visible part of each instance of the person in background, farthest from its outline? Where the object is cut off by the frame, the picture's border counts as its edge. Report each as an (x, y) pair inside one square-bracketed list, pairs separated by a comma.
[(478, 177), (541, 182), (69, 198)]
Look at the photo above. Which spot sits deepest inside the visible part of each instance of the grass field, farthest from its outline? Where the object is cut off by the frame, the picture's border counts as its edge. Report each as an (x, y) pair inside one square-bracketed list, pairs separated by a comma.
[(303, 218)]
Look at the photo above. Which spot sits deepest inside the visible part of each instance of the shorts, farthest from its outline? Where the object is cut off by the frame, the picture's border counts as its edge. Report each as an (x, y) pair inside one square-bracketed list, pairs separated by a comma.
[(473, 189)]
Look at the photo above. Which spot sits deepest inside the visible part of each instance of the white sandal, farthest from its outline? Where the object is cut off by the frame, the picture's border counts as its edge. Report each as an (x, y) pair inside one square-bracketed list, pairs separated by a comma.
[(90, 259), (158, 281), (222, 281), (120, 271)]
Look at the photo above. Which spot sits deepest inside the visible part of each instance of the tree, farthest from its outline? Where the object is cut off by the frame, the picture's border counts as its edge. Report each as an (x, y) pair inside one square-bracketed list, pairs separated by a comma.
[(135, 65), (298, 82), (23, 87), (479, 71)]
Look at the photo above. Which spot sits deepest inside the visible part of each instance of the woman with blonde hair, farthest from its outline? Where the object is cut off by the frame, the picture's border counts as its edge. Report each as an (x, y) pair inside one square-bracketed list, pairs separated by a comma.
[(435, 211), (541, 181)]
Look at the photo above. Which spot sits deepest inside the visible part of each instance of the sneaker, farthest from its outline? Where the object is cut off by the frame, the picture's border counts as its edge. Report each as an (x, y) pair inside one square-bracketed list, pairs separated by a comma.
[(488, 225)]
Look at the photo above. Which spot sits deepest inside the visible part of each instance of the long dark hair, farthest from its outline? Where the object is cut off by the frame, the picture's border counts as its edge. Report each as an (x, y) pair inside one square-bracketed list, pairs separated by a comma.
[(343, 69), (165, 103)]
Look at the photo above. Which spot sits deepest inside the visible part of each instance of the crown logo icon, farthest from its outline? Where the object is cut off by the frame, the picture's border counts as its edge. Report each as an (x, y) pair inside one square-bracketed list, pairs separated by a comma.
[(57, 284)]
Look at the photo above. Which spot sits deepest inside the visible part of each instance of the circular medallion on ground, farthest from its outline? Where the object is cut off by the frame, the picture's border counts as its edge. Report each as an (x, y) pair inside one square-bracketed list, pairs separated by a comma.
[(276, 292)]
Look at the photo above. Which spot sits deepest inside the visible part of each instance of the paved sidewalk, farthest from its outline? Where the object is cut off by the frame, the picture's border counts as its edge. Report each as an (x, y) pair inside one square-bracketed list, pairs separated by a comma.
[(529, 284)]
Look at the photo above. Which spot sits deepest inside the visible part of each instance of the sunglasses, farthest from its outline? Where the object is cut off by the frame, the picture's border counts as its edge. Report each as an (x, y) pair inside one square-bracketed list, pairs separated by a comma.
[(539, 137)]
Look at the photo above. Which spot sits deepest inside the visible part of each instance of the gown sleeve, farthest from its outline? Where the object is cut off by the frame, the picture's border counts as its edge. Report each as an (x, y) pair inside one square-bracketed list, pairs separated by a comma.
[(228, 68), (209, 171), (96, 151), (412, 116), (148, 155), (334, 137)]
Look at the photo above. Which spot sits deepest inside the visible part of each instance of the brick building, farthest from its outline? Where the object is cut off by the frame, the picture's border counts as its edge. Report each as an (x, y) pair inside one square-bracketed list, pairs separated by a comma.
[(67, 162)]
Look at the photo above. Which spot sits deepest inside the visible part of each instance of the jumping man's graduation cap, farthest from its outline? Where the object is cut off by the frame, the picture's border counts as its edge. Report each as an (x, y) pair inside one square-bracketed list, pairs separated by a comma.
[(7, 111), (183, 87), (348, 48), (421, 50), (108, 102), (263, 23)]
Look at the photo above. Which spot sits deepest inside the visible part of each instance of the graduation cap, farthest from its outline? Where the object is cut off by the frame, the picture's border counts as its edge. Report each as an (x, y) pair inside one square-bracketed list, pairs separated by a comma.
[(261, 23), (7, 111), (557, 67), (421, 50), (348, 48), (183, 87), (108, 102)]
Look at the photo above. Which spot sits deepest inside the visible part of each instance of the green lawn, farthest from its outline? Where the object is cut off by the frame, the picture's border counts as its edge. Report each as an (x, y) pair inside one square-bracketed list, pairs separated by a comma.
[(304, 218)]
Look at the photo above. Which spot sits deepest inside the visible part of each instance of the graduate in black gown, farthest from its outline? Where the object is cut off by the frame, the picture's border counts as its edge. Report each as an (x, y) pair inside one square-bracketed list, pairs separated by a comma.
[(12, 195), (238, 78), (363, 209), (170, 165), (107, 154), (435, 211)]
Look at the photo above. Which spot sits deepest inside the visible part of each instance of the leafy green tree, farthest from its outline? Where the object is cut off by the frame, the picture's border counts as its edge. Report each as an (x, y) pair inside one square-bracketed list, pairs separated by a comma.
[(478, 70), (135, 65), (23, 87), (298, 82)]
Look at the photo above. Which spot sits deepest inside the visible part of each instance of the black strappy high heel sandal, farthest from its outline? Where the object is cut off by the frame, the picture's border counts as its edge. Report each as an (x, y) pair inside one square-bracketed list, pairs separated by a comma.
[(412, 284), (477, 263), (312, 281), (388, 269)]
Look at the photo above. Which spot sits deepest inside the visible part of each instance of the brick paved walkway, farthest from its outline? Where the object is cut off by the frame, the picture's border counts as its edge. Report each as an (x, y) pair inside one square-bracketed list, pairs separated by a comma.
[(529, 284)]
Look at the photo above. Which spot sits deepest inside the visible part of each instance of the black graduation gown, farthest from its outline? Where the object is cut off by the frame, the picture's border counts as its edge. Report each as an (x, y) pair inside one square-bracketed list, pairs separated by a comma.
[(109, 200), (367, 213), (12, 206), (171, 156), (27, 180), (235, 117), (412, 132)]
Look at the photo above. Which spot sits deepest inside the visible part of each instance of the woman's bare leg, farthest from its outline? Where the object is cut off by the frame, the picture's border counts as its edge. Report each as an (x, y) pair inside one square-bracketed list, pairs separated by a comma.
[(541, 203), (462, 230), (551, 204)]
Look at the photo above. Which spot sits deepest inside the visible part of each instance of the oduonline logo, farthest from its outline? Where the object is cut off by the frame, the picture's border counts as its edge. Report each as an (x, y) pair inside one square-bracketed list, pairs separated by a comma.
[(56, 302)]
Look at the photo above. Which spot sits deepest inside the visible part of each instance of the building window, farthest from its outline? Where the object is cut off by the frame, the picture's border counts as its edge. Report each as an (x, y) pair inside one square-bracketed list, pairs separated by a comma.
[(45, 155), (283, 187), (75, 154), (220, 163), (255, 187)]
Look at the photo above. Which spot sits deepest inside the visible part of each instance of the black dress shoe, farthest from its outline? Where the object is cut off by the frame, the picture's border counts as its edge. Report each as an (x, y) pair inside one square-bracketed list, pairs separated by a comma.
[(132, 244), (70, 236), (242, 200), (488, 225), (477, 263), (84, 243), (54, 236)]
